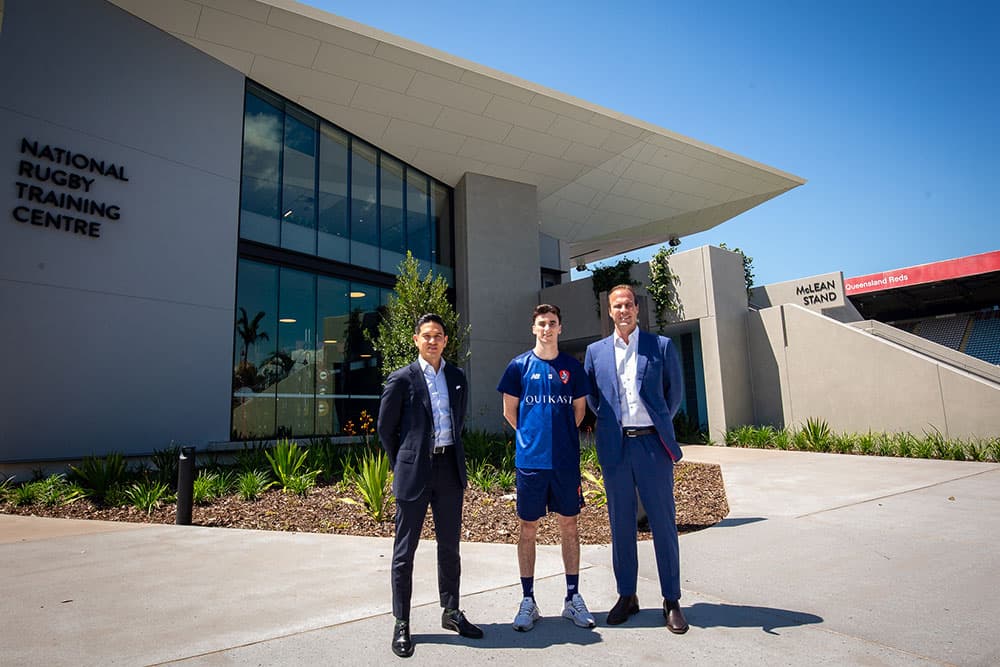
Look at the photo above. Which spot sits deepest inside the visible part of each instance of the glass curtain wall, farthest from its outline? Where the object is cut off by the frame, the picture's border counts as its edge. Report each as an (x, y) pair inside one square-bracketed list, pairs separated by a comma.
[(302, 362)]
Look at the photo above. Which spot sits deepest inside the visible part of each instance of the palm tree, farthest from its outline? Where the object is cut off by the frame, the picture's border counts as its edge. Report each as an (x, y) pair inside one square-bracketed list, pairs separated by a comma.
[(247, 329)]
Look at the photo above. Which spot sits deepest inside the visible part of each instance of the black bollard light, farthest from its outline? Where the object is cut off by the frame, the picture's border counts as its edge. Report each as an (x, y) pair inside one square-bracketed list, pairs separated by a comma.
[(185, 486)]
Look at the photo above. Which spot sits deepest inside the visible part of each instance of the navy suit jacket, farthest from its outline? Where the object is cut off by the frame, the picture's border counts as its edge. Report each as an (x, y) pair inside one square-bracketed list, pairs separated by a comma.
[(658, 374), (406, 426)]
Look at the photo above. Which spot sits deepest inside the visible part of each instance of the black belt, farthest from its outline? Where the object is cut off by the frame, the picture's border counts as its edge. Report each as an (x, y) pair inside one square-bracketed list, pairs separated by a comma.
[(441, 449), (636, 431)]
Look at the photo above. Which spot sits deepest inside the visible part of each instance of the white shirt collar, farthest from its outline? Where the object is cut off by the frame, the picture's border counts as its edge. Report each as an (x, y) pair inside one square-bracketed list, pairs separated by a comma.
[(424, 366)]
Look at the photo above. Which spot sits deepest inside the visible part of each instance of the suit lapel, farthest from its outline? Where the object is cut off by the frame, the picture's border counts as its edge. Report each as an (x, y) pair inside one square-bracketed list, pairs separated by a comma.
[(641, 359), (612, 379), (420, 387)]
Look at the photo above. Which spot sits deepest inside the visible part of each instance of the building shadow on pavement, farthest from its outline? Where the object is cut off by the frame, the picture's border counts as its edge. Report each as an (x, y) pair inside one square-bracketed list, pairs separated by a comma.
[(709, 615), (732, 522)]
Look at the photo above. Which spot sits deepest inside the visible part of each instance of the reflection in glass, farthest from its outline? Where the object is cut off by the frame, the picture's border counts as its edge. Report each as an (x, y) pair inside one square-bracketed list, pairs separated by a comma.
[(418, 228), (298, 201), (393, 238), (255, 341), (293, 367), (364, 212), (441, 225), (331, 382), (333, 229), (259, 196)]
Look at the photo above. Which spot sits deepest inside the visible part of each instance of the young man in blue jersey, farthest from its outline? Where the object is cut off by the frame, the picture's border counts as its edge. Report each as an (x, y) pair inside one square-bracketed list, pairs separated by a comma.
[(544, 399)]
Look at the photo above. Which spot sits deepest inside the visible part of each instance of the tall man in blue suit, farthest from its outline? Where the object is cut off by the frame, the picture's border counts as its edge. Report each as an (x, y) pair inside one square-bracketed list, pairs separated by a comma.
[(635, 380), (420, 421)]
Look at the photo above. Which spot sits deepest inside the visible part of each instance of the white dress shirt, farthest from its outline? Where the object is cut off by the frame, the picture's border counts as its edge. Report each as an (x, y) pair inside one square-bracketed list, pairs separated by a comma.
[(437, 387), (634, 413)]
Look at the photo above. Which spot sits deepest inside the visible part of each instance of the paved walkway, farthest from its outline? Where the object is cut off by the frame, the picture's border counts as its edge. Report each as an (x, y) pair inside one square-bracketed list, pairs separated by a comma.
[(824, 559)]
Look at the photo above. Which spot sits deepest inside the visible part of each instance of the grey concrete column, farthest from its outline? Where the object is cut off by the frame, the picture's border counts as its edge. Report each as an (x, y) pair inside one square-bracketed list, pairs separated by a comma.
[(725, 348), (497, 281)]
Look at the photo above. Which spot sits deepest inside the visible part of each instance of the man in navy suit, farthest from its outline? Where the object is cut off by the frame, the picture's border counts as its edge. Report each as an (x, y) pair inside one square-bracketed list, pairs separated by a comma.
[(420, 421), (635, 380)]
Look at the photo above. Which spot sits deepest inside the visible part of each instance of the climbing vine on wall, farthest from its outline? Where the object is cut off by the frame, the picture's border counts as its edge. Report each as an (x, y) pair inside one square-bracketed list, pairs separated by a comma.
[(662, 288), (604, 278)]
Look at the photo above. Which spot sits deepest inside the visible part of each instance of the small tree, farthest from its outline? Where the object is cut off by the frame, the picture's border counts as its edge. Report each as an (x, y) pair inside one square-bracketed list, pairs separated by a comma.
[(414, 297)]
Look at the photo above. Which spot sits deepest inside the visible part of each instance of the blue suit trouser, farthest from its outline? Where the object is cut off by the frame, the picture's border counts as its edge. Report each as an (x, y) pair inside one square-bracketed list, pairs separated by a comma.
[(645, 466)]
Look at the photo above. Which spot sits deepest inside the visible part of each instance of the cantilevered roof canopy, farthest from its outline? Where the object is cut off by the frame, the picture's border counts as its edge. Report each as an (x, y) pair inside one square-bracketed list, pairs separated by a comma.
[(607, 183)]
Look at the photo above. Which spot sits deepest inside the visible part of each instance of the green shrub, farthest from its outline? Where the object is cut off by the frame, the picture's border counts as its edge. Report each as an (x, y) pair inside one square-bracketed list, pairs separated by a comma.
[(482, 475), (781, 439), (598, 496), (210, 485), (372, 480), (506, 478), (843, 443), (166, 462), (288, 461), (301, 483), (974, 449), (147, 495), (115, 496), (99, 475), (816, 435), (6, 485), (994, 449), (761, 437), (252, 483), (905, 444), (885, 445), (689, 430), (26, 494), (56, 490), (588, 457)]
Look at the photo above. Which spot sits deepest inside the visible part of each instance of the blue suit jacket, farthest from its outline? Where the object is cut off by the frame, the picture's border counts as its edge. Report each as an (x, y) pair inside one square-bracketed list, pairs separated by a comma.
[(658, 374), (406, 426)]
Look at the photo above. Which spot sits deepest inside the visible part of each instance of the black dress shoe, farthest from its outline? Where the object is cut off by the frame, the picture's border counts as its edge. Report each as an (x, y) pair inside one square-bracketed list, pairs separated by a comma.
[(676, 622), (402, 645), (625, 607), (454, 619)]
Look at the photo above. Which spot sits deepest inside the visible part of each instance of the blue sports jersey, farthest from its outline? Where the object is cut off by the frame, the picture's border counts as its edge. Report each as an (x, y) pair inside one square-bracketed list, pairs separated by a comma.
[(547, 435)]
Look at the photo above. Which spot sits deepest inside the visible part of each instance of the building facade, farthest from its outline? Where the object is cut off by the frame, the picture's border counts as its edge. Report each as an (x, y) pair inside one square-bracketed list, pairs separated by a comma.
[(206, 202)]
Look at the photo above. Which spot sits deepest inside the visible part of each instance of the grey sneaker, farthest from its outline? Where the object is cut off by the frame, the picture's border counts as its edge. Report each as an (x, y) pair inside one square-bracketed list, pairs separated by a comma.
[(576, 610), (526, 615)]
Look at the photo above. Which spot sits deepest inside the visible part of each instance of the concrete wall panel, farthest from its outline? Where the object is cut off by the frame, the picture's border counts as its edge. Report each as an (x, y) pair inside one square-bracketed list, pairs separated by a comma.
[(121, 342)]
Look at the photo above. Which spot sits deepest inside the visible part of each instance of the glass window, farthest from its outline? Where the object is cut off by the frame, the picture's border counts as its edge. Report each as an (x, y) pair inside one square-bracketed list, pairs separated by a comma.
[(293, 367), (442, 224), (255, 340), (259, 196), (333, 230), (393, 237), (298, 201), (418, 227), (332, 308), (363, 375), (364, 205)]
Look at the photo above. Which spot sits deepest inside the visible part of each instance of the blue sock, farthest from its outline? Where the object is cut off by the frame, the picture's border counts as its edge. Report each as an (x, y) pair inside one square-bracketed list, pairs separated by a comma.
[(572, 585), (528, 587)]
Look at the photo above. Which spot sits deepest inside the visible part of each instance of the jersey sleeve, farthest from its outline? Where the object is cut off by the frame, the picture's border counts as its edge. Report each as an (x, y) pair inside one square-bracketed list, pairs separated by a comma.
[(510, 382)]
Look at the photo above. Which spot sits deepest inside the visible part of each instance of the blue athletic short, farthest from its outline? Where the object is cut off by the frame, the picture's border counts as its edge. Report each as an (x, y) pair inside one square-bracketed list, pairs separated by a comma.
[(556, 491)]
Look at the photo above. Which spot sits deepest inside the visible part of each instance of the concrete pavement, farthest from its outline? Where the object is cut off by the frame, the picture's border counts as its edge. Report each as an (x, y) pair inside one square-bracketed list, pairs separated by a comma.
[(824, 559)]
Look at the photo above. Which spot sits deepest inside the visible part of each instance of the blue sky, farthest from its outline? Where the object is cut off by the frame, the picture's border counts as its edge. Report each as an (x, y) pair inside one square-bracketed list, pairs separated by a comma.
[(889, 109)]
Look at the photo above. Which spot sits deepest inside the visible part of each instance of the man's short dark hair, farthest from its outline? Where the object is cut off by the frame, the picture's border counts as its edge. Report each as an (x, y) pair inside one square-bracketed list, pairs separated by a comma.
[(544, 308), (429, 317)]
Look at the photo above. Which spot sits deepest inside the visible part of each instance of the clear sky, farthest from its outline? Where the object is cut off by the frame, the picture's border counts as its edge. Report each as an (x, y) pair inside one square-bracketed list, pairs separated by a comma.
[(889, 108)]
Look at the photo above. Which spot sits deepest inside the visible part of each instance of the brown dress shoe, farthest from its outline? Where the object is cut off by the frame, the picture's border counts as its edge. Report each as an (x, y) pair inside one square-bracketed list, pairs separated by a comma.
[(676, 622), (625, 607)]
